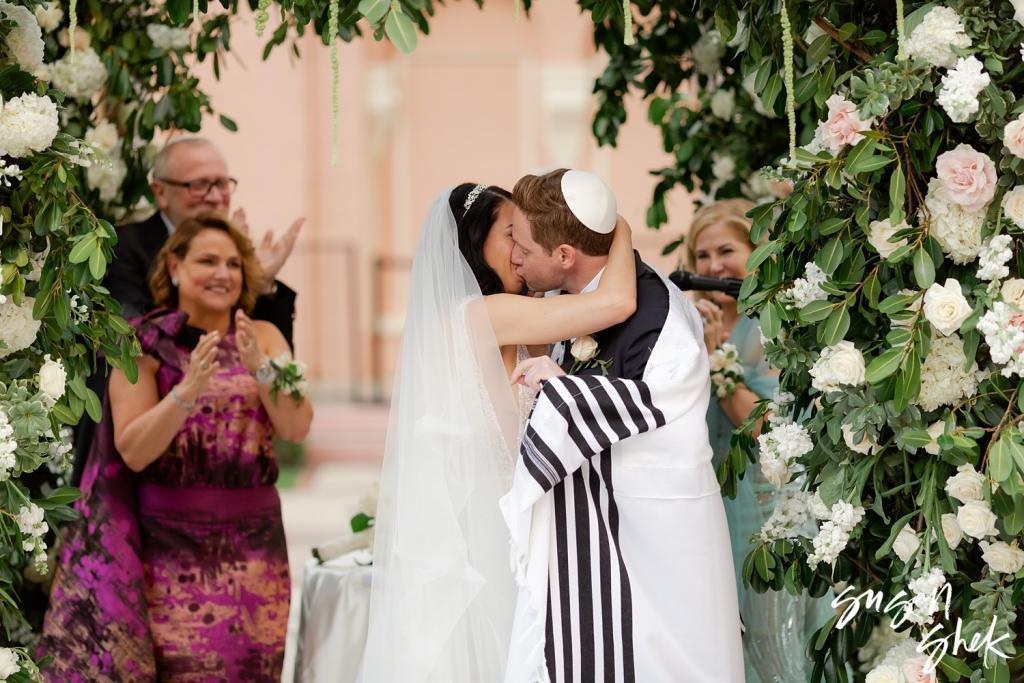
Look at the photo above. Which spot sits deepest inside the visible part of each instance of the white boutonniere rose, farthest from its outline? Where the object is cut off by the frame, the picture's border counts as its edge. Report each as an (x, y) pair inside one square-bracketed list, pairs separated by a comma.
[(584, 348)]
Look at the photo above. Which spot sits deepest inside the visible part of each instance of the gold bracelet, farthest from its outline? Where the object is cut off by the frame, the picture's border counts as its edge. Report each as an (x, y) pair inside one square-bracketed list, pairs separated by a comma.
[(181, 403)]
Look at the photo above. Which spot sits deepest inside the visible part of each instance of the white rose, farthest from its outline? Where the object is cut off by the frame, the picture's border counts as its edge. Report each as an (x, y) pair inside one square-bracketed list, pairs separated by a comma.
[(1013, 292), (976, 519), (886, 673), (9, 664), (1013, 205), (918, 669), (52, 378), (1003, 558), (945, 307), (879, 234), (1013, 136), (865, 445), (906, 543), (723, 104), (584, 348), (951, 530), (935, 430), (1018, 11), (842, 364), (966, 485), (775, 470)]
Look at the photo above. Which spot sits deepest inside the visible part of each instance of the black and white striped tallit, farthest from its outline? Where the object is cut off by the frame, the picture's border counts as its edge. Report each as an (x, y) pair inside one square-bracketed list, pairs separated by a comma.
[(575, 608)]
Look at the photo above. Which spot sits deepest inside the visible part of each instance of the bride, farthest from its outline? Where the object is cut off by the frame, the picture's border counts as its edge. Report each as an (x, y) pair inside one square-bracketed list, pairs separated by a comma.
[(443, 593)]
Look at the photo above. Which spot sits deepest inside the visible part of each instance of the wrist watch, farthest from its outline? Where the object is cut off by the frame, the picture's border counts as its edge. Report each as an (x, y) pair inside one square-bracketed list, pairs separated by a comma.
[(265, 373)]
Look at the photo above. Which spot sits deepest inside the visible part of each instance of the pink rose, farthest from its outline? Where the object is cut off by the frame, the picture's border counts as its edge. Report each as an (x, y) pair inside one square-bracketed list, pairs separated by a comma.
[(843, 126), (968, 176), (1013, 136), (919, 670)]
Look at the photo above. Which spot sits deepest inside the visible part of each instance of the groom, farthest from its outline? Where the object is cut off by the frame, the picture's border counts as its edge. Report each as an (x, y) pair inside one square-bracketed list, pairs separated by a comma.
[(620, 543)]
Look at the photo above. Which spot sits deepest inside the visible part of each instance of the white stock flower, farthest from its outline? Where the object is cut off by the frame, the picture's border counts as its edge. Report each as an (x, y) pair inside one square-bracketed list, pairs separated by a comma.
[(943, 378), (24, 43), (52, 379), (976, 519), (9, 663), (837, 366), (955, 228), (49, 15), (906, 543), (880, 234), (779, 447), (723, 167), (884, 673), (789, 518), (935, 37), (707, 53), (808, 288), (935, 430), (967, 484), (167, 37), (865, 445), (79, 74), (8, 446), (1003, 327), (926, 597), (723, 103), (18, 329), (1013, 205), (1012, 292), (961, 87), (946, 307), (32, 524), (817, 507), (1001, 557), (584, 348), (28, 123), (107, 175), (994, 255), (951, 530)]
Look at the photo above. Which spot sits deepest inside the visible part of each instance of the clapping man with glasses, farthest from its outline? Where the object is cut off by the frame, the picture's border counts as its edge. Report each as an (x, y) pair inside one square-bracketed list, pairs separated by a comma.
[(189, 179)]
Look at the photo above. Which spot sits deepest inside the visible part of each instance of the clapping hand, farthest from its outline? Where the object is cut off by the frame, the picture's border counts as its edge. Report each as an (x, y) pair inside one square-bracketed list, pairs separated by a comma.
[(202, 366), (532, 372), (271, 254), (248, 344)]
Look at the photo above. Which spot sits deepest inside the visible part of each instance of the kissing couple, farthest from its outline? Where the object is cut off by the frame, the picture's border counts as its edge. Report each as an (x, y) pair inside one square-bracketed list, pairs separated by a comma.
[(548, 509)]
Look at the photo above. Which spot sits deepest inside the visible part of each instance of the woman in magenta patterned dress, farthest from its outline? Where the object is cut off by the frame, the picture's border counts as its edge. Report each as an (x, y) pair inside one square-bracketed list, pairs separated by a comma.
[(178, 569)]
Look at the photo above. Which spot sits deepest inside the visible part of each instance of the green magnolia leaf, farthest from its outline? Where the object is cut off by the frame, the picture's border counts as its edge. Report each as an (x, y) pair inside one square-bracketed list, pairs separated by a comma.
[(761, 253), (374, 10), (897, 192), (97, 264), (884, 365), (92, 406), (83, 249), (771, 320), (834, 329), (924, 268), (401, 31), (764, 562), (816, 311), (831, 255)]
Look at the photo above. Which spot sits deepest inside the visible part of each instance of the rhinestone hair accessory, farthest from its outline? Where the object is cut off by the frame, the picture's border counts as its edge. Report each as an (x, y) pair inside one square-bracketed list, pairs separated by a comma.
[(471, 197)]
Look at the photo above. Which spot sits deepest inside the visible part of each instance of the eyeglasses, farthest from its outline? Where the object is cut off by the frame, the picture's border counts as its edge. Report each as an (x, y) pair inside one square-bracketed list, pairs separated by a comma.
[(200, 188)]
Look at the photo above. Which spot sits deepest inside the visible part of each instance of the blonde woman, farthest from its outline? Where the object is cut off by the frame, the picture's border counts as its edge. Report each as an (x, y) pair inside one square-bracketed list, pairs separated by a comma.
[(776, 624)]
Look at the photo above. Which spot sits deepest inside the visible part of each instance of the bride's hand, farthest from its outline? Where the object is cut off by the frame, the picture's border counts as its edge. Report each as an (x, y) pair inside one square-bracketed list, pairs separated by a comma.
[(532, 372), (623, 232)]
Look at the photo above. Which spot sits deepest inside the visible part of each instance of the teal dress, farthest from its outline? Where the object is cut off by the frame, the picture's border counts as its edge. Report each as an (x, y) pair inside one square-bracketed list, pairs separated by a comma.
[(777, 624)]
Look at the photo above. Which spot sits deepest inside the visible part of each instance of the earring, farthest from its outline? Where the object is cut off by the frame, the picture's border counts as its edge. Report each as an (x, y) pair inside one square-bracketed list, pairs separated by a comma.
[(174, 281)]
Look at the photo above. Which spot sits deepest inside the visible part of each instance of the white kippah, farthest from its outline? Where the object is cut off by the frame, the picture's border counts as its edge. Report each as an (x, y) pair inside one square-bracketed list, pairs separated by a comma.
[(590, 200)]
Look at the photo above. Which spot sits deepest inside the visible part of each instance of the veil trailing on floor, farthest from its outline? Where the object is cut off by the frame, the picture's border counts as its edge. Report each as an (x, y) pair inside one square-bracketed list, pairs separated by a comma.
[(443, 593)]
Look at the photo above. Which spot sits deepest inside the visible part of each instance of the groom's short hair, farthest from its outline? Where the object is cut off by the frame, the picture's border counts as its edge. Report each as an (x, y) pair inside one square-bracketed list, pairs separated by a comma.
[(552, 222)]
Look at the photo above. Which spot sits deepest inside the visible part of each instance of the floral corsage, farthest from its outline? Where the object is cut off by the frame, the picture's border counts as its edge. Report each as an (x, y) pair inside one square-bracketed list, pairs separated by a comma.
[(289, 377), (584, 350), (726, 371)]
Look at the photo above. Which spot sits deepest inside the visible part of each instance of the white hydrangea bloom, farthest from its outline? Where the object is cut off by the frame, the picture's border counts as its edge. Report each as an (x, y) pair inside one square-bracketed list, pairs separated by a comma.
[(18, 329), (993, 257), (779, 448), (28, 123), (957, 230), (24, 43), (961, 87), (935, 37), (8, 446), (79, 74), (1003, 327), (808, 288), (838, 366), (107, 175), (167, 37), (104, 137), (943, 378), (49, 16)]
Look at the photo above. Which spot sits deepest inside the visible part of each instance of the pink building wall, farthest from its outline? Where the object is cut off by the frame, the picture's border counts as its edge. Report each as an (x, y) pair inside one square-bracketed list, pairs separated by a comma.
[(484, 98)]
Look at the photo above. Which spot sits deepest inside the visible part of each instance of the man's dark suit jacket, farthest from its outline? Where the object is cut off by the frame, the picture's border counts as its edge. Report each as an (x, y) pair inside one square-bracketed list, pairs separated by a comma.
[(628, 345), (128, 282)]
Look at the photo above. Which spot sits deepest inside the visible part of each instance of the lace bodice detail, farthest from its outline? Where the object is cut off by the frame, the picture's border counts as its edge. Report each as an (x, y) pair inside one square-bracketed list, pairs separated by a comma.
[(525, 397)]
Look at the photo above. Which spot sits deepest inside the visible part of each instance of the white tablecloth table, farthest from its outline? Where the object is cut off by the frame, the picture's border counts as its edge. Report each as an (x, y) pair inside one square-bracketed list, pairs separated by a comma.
[(333, 619)]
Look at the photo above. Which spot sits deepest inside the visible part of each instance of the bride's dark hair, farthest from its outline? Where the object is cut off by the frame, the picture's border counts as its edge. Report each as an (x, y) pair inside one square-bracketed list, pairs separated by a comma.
[(473, 225)]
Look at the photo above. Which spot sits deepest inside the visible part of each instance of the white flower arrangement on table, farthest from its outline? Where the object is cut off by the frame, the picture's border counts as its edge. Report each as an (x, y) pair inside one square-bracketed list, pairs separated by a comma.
[(361, 537), (726, 370)]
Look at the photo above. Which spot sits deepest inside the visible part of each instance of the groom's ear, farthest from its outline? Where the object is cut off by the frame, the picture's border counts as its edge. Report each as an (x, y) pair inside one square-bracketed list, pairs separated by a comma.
[(566, 255)]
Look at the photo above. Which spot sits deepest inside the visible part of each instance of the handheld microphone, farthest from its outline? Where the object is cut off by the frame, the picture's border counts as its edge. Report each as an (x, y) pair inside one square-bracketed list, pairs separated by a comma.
[(685, 280)]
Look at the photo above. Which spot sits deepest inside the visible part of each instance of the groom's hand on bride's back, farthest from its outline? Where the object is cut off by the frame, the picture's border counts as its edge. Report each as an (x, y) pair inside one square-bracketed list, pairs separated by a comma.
[(533, 372)]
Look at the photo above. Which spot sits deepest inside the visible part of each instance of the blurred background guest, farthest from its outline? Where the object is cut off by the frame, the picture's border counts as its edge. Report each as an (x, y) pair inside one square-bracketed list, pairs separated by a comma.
[(776, 623), (178, 568)]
